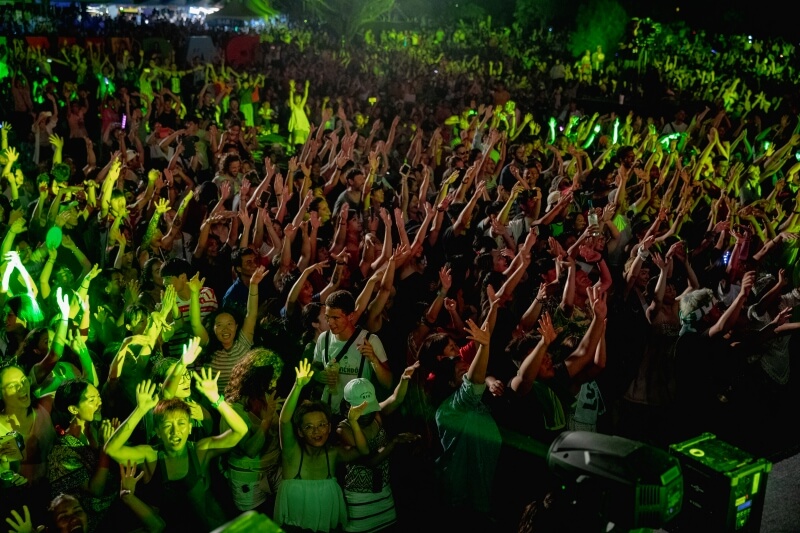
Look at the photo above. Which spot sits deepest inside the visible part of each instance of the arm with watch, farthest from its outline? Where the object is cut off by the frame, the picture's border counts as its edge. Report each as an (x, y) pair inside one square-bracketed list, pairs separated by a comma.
[(152, 522)]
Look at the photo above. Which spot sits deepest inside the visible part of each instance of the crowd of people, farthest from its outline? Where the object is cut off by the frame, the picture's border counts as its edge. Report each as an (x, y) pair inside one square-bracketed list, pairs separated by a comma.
[(362, 287)]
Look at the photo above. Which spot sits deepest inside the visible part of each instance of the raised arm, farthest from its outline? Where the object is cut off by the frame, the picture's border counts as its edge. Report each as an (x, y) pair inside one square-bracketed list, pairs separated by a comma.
[(116, 447), (481, 336), (206, 383), (529, 369), (198, 329)]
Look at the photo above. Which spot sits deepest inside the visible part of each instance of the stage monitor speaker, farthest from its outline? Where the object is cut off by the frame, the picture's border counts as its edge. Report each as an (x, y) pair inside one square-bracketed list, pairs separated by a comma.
[(723, 486)]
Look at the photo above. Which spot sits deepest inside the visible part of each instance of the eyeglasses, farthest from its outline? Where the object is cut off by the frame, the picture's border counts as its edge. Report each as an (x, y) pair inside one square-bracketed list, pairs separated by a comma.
[(13, 388), (309, 428)]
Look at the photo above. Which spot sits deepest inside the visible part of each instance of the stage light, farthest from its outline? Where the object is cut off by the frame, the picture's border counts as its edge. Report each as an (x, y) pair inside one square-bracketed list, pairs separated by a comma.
[(615, 481)]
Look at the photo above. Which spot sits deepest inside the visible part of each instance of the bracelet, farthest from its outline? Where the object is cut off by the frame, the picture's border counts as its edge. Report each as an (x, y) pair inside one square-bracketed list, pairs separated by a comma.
[(125, 492), (253, 293), (441, 294), (216, 404), (440, 210)]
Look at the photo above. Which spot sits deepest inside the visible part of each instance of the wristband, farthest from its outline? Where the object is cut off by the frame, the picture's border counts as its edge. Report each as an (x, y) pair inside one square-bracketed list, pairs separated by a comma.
[(216, 404), (125, 492)]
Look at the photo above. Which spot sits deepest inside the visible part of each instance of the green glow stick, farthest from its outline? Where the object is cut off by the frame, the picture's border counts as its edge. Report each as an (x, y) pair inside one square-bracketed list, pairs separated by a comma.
[(552, 123), (615, 137)]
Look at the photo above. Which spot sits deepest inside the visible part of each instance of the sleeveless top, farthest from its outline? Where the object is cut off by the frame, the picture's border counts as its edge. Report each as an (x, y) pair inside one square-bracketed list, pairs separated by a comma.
[(186, 504), (312, 504), (303, 454)]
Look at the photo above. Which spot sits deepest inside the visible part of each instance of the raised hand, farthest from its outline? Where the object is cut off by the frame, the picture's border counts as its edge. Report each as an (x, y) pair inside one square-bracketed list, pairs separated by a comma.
[(660, 262), (597, 301), (63, 303), (146, 397), (56, 141), (18, 226), (258, 274), (245, 189), (190, 351), (225, 190), (748, 280), (546, 329), (75, 341), (107, 428), (168, 298), (409, 371), (303, 372), (131, 292), (476, 333), (196, 283), (272, 404), (206, 383), (445, 278), (22, 524), (11, 154), (162, 206), (128, 478), (356, 411)]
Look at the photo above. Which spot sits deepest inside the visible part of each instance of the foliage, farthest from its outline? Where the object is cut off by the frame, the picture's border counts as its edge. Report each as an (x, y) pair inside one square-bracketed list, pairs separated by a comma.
[(537, 13), (346, 18), (600, 22)]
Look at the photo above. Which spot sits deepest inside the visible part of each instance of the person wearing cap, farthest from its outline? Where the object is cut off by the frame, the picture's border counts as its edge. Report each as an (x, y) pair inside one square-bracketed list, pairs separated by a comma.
[(367, 491)]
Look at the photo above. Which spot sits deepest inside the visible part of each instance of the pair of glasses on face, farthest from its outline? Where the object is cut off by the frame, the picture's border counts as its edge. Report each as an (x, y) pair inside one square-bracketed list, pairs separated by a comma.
[(13, 388), (308, 428)]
